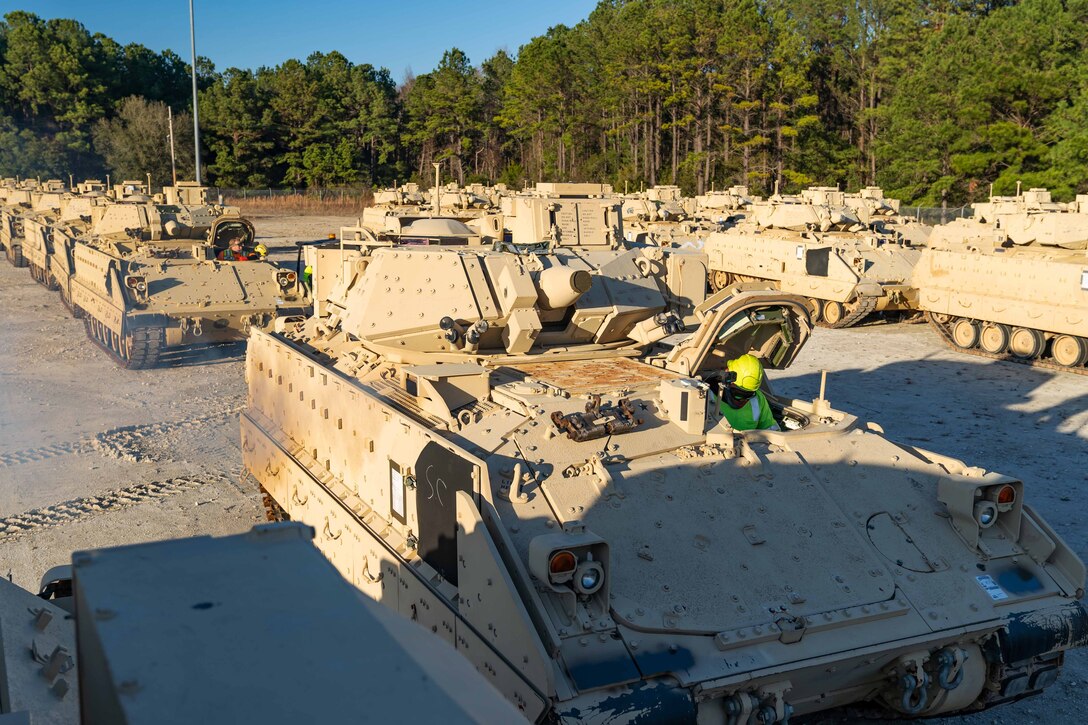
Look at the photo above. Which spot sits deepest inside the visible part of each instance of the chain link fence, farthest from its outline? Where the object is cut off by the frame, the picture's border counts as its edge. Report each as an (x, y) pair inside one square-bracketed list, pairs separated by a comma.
[(934, 215), (357, 197), (337, 194), (297, 200)]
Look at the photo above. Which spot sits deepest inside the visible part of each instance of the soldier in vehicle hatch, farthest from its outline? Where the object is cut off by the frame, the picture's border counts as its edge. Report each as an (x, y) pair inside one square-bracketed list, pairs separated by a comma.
[(743, 404), (234, 250)]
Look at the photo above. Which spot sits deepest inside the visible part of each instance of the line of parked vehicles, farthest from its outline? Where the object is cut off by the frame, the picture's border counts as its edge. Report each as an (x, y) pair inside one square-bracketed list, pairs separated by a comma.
[(1009, 282), (146, 273)]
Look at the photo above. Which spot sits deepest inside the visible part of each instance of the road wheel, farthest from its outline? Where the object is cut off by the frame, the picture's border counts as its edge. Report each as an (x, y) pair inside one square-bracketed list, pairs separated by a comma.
[(1026, 343), (965, 333), (272, 510), (1069, 350), (817, 309), (719, 280), (994, 338), (833, 312)]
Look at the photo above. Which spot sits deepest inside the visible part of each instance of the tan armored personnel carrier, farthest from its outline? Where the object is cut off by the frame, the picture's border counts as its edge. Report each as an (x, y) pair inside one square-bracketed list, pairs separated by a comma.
[(661, 216), (874, 209), (135, 190), (404, 195), (37, 223), (1012, 282), (521, 454), (151, 276), (88, 186), (453, 199), (563, 215), (185, 193), (815, 246), (110, 638), (17, 202), (722, 206), (77, 216)]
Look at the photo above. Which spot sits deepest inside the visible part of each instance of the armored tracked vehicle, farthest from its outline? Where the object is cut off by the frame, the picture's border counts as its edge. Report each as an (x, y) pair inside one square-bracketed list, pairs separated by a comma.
[(18, 200), (817, 247), (874, 209), (78, 215), (153, 276), (661, 216), (563, 215), (1011, 283), (48, 207), (406, 195), (725, 206), (522, 454)]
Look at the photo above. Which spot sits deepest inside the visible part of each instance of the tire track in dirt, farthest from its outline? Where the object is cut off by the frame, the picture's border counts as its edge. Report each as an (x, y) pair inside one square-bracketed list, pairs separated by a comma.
[(13, 527), (116, 442)]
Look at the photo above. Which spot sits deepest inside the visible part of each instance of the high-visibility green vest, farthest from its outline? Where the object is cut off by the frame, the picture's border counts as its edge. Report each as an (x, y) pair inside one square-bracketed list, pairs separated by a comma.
[(754, 415)]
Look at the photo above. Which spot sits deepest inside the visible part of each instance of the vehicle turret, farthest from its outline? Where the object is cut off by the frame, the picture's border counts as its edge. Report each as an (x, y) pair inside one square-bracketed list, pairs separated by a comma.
[(564, 215)]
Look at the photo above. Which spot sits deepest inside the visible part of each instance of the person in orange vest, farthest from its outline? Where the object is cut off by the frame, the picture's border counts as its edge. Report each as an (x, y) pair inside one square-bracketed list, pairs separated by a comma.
[(234, 250)]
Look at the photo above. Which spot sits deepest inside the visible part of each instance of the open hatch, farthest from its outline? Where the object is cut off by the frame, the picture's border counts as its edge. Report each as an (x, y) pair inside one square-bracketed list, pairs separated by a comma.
[(741, 319)]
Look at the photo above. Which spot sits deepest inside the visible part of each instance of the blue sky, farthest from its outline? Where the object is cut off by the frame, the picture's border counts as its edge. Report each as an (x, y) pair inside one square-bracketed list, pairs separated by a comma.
[(397, 34)]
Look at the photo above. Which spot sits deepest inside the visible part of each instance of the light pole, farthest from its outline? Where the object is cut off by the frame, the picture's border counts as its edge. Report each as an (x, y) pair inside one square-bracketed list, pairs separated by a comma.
[(196, 113)]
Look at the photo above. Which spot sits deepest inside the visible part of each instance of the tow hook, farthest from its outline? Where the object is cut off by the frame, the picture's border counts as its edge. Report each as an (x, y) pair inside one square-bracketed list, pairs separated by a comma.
[(767, 707), (950, 667), (915, 696), (913, 683)]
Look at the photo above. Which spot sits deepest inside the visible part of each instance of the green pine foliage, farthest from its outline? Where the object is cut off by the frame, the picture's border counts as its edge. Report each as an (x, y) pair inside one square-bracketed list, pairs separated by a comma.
[(933, 100)]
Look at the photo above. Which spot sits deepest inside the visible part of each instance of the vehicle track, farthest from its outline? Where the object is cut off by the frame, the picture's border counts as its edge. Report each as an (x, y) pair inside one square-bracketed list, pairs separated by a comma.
[(13, 527), (945, 334)]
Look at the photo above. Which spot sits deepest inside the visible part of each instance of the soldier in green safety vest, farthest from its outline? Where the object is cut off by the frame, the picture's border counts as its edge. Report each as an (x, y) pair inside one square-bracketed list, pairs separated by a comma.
[(743, 404)]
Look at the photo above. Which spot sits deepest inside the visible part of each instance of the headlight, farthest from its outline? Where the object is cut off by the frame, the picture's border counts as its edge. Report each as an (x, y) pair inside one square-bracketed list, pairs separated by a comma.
[(573, 563), (136, 282), (589, 577), (286, 279), (985, 514), (978, 501)]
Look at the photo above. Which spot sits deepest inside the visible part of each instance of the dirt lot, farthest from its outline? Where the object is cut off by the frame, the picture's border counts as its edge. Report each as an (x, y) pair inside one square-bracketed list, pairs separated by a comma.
[(92, 455)]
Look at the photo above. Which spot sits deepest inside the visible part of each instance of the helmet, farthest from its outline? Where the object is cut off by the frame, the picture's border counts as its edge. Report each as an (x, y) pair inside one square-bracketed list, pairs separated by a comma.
[(749, 372), (261, 250)]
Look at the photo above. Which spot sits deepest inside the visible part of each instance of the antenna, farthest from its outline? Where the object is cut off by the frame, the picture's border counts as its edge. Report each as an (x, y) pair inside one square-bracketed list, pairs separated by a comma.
[(1018, 187), (437, 194), (196, 111), (173, 164)]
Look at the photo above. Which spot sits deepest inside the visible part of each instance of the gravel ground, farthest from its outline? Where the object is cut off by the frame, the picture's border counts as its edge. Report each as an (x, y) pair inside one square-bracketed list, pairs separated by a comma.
[(92, 455)]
